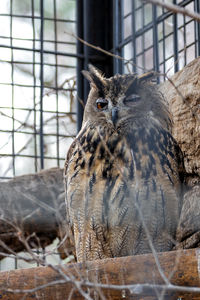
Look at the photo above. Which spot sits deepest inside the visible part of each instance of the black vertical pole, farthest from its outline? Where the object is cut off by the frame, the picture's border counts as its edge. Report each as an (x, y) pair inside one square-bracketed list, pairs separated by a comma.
[(80, 63), (175, 22), (12, 80), (117, 34), (95, 26), (133, 20), (197, 29), (155, 42), (41, 84)]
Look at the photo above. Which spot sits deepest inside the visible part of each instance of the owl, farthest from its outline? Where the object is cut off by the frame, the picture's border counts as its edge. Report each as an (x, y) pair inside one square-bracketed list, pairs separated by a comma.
[(122, 183)]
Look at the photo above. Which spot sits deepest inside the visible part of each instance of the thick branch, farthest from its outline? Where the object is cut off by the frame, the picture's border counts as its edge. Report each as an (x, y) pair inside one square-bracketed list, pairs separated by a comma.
[(182, 92), (32, 204), (184, 103), (118, 278)]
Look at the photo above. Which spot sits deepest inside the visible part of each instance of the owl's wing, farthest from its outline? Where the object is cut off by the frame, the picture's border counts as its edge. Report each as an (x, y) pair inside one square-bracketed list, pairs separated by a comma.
[(69, 245), (69, 154), (72, 149), (153, 187)]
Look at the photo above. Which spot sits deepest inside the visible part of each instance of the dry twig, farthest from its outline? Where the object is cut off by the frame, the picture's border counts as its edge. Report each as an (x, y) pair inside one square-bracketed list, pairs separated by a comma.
[(175, 9)]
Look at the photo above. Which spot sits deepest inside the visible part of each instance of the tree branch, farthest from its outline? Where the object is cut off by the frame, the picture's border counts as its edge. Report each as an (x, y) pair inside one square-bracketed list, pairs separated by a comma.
[(127, 276), (176, 9)]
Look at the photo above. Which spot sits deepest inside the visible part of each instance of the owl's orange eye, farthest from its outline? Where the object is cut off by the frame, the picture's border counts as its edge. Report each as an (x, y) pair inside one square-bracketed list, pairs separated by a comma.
[(101, 104)]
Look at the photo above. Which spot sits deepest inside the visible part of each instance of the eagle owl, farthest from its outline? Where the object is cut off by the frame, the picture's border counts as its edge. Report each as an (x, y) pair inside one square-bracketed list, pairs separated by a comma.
[(122, 171)]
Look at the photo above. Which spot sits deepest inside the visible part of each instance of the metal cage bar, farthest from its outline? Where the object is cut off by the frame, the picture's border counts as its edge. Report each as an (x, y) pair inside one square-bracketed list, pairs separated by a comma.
[(41, 83), (118, 34), (95, 27)]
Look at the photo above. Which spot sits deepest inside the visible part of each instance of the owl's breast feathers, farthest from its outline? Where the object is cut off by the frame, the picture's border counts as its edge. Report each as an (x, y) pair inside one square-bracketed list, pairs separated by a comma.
[(109, 176)]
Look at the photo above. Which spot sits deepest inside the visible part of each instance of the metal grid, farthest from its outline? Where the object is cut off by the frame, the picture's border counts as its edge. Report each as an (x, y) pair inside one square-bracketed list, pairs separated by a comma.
[(37, 84), (154, 38)]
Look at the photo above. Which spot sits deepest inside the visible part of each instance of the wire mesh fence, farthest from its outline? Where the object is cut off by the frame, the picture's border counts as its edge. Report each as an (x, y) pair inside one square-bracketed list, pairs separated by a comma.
[(37, 84), (153, 38)]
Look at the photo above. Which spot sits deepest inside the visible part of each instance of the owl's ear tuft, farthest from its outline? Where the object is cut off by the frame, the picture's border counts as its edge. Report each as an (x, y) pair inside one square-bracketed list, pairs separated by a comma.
[(95, 71), (96, 78), (86, 74)]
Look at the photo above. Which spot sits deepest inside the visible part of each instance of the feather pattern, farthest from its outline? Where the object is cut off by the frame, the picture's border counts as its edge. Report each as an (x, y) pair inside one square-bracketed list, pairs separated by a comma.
[(120, 177)]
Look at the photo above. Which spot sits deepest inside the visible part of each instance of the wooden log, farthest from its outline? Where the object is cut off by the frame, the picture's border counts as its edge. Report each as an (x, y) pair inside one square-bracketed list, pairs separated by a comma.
[(182, 93), (134, 277), (32, 203)]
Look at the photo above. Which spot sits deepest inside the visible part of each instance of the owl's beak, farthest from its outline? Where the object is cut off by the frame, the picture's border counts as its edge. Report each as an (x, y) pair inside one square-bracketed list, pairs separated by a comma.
[(114, 115)]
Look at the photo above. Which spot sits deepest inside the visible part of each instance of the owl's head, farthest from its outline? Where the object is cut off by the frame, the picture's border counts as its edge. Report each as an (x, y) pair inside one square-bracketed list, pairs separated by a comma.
[(124, 101)]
